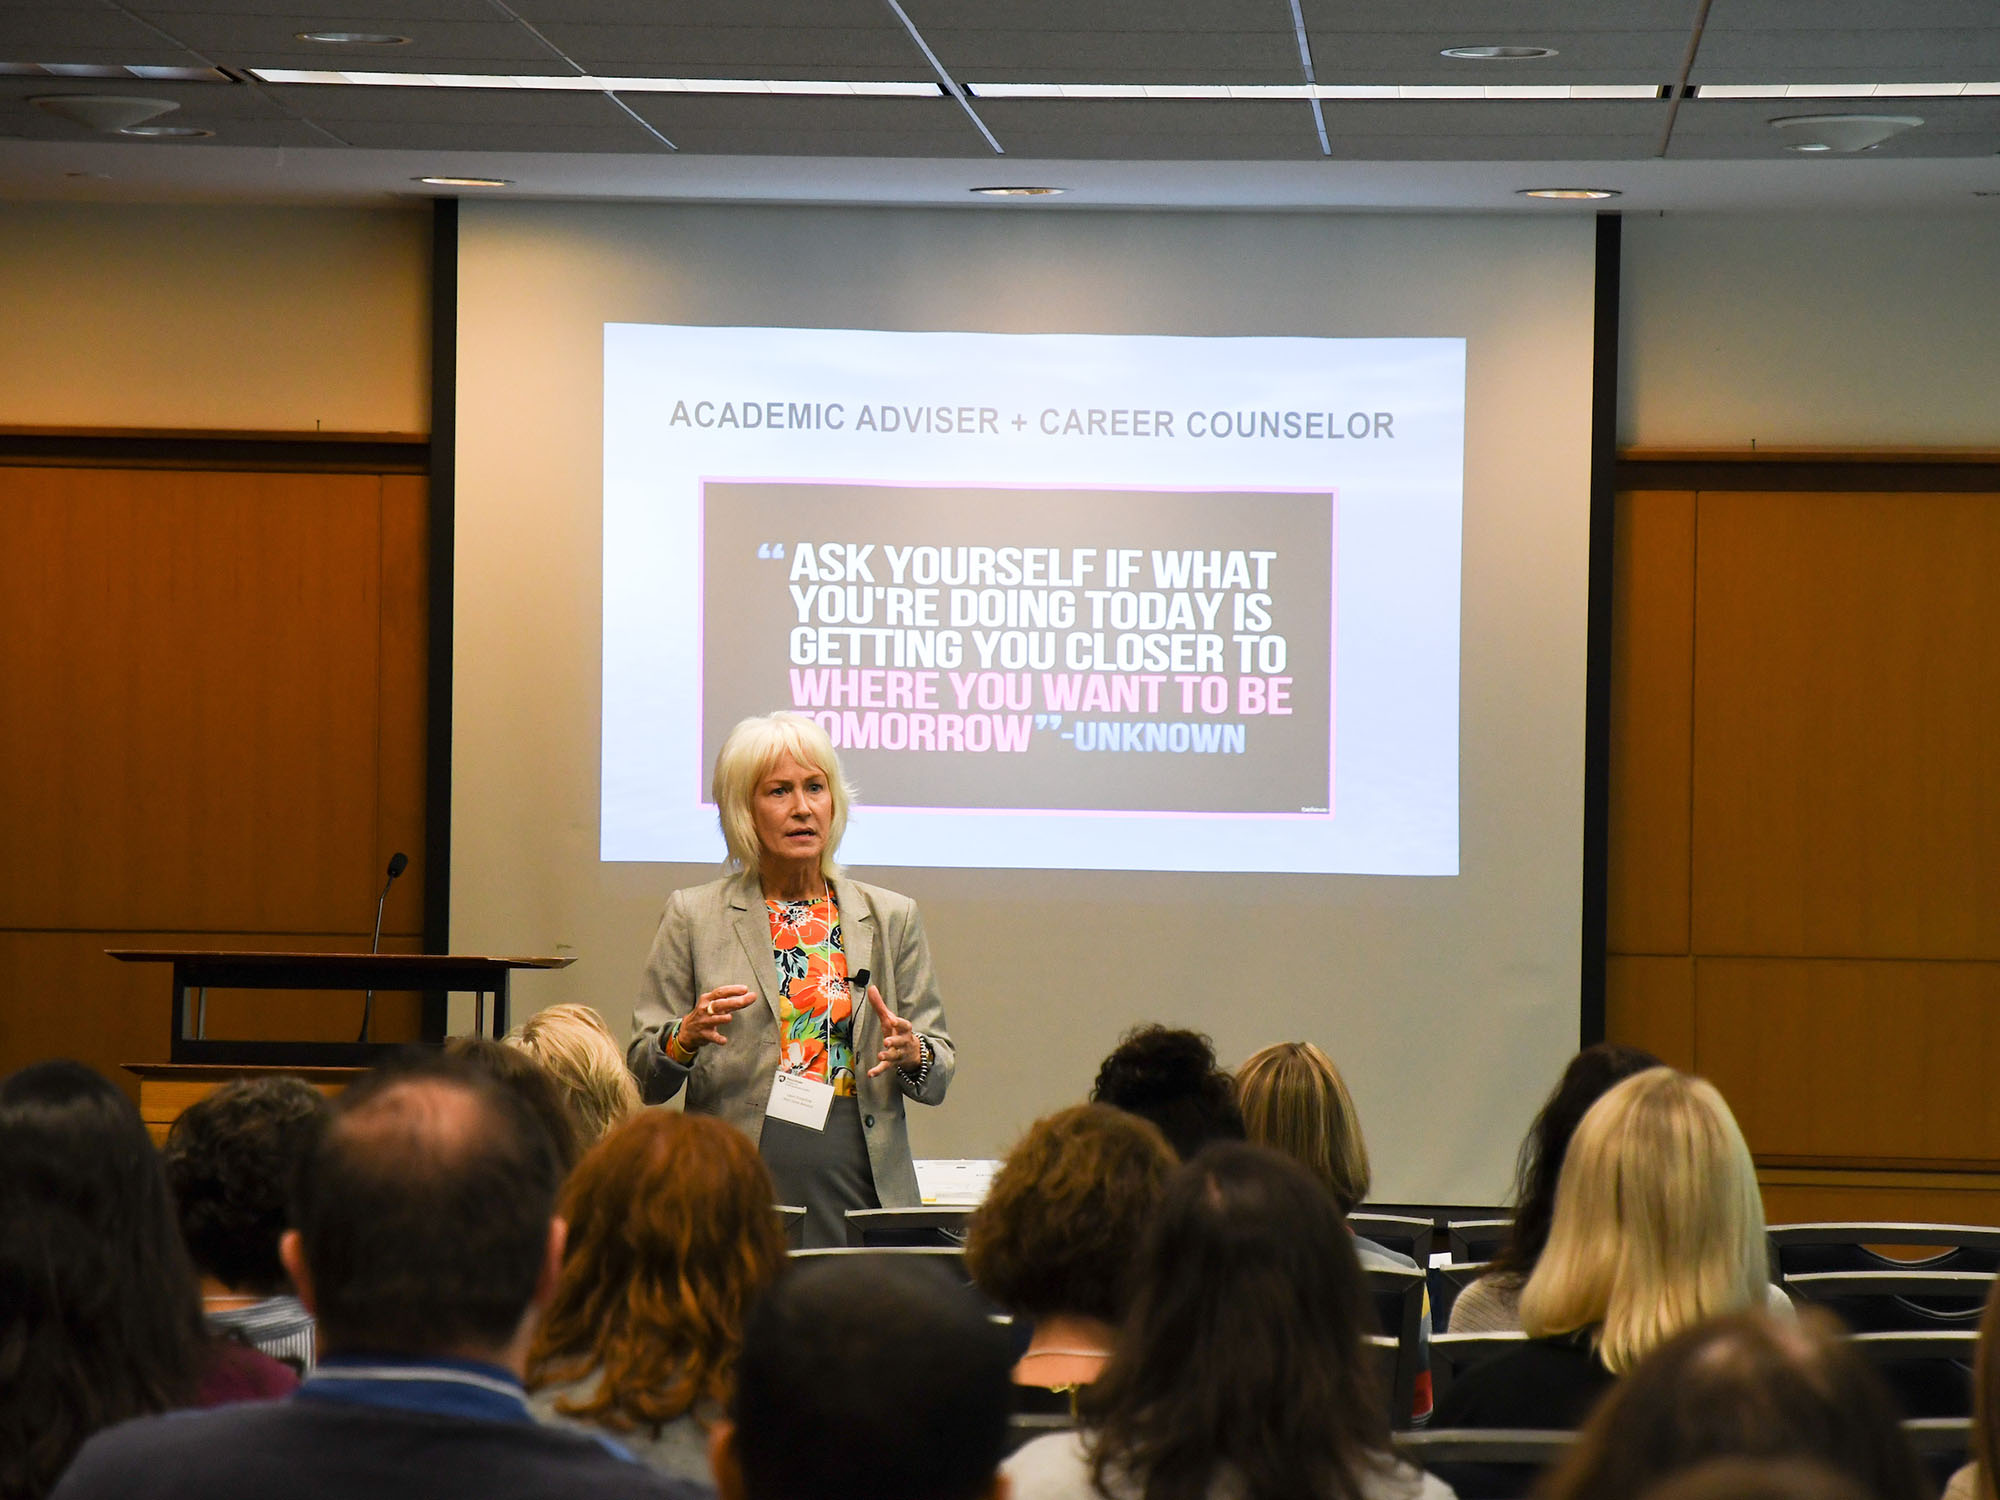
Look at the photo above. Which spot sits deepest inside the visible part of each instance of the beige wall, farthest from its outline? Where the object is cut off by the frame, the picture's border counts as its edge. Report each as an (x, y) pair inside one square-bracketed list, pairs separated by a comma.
[(195, 316), (1802, 331), (1450, 1002)]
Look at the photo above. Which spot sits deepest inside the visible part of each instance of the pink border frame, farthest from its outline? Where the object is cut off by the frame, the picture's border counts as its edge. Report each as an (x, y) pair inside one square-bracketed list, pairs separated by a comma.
[(1332, 492)]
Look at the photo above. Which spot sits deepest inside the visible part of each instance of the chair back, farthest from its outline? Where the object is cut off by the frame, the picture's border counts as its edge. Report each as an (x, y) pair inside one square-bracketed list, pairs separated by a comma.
[(1897, 1301), (953, 1260), (1486, 1463), (1478, 1239), (1929, 1372), (1398, 1296), (1454, 1353), (792, 1221), (1447, 1282), (1402, 1233)]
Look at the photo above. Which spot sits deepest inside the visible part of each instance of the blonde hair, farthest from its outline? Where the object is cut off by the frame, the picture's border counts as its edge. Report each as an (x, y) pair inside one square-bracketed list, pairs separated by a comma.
[(1295, 1102), (577, 1050), (1658, 1221), (746, 758)]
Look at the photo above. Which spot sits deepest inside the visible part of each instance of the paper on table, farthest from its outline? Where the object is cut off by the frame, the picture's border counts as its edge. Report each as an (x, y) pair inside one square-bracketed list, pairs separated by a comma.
[(947, 1180)]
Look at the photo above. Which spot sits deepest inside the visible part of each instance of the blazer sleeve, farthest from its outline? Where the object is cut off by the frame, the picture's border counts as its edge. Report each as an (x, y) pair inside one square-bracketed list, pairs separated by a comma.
[(918, 999), (666, 994)]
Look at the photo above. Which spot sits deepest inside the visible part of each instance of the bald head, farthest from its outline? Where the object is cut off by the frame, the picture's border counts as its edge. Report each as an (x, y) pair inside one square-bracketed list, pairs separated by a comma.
[(423, 1214)]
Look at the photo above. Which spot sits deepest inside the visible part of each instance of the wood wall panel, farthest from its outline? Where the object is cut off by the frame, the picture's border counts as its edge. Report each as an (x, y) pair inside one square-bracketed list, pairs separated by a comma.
[(402, 687), (194, 660), (1652, 707), (1854, 1061), (215, 698), (1847, 708), (1794, 1196), (1649, 1003)]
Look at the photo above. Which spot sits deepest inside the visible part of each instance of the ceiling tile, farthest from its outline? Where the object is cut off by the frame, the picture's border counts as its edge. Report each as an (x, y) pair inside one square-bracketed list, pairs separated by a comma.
[(743, 52), (1963, 55), (1472, 21), (770, 125), (252, 41), (433, 135), (334, 103), (48, 33)]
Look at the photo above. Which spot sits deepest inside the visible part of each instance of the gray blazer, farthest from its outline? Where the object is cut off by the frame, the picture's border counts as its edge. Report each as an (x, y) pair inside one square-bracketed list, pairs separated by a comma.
[(719, 934)]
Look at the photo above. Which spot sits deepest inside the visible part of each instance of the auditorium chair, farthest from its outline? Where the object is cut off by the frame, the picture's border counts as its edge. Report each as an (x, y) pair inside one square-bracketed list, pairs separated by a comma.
[(1404, 1234), (1896, 1301), (1929, 1372), (1447, 1281), (1847, 1245), (1498, 1463), (1454, 1353), (792, 1220), (1398, 1296), (1477, 1239), (952, 1258)]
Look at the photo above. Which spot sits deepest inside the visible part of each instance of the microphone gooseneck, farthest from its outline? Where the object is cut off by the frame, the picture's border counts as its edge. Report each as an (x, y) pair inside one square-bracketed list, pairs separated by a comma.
[(398, 862)]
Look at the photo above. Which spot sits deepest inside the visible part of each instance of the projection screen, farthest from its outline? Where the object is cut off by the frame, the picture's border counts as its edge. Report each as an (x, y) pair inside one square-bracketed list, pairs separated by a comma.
[(1199, 601)]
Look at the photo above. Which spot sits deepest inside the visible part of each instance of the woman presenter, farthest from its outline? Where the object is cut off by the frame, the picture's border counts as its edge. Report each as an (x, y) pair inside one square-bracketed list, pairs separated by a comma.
[(753, 994)]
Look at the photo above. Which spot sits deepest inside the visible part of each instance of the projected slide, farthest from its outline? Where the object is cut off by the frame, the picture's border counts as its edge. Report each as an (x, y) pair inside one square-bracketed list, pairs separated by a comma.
[(1062, 600)]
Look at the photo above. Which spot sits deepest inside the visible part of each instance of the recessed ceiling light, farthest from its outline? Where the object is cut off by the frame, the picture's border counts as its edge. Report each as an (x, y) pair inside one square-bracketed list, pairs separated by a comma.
[(1020, 192), (167, 132), (1569, 192), (1497, 54), (1846, 133), (354, 38), (465, 181)]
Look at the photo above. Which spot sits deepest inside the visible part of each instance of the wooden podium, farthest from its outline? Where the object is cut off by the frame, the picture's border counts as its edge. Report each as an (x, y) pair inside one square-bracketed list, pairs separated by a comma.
[(197, 971)]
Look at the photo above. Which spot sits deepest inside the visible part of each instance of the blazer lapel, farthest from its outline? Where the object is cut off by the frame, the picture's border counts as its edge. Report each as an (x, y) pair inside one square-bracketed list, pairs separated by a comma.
[(857, 943), (753, 931)]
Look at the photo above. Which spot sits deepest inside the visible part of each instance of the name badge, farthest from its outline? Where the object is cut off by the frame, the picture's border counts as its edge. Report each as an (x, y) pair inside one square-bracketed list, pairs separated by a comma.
[(799, 1100)]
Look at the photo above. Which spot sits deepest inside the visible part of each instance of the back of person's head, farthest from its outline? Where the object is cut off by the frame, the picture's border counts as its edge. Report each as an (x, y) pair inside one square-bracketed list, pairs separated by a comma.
[(867, 1378), (229, 1161), (424, 1212), (522, 1075), (1986, 1403), (1170, 1077), (577, 1050), (1744, 1386), (1757, 1479), (1589, 1075), (1659, 1223), (1295, 1101), (1242, 1354), (100, 1317), (672, 1233), (1056, 1233)]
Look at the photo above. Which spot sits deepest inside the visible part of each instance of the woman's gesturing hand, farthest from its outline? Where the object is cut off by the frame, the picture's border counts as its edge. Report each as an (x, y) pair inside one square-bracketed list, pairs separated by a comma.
[(711, 1014), (900, 1046)]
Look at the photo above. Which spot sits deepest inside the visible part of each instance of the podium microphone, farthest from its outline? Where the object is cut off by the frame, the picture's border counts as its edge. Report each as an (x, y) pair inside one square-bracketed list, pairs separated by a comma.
[(398, 862)]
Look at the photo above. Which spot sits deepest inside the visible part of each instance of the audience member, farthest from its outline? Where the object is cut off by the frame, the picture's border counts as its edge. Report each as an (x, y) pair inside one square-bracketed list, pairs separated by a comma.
[(1295, 1102), (1240, 1370), (1744, 1386), (1757, 1479), (426, 1243), (1492, 1304), (1658, 1225), (229, 1160), (100, 1319), (1170, 1077), (1053, 1241), (866, 1381), (672, 1232), (577, 1050), (1977, 1480), (524, 1077)]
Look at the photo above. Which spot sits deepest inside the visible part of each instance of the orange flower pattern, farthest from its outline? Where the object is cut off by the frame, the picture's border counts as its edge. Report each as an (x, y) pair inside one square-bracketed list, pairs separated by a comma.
[(815, 1005)]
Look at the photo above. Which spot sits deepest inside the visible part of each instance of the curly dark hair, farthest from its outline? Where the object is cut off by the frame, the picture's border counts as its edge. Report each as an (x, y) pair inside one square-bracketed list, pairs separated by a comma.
[(229, 1160), (1170, 1077), (1744, 1386), (1242, 1355), (1589, 1076), (1057, 1231), (102, 1315)]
